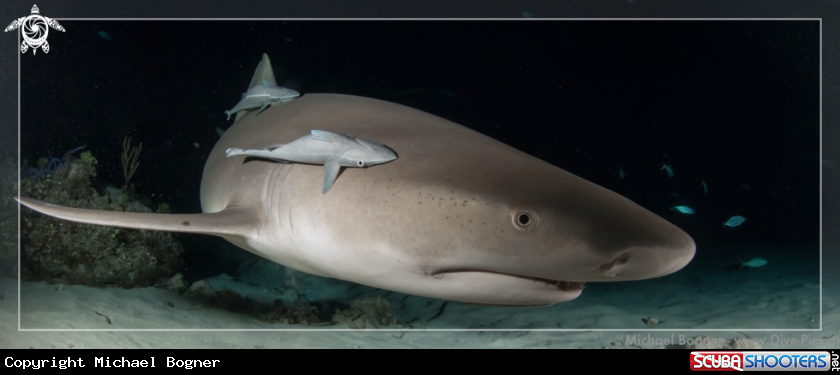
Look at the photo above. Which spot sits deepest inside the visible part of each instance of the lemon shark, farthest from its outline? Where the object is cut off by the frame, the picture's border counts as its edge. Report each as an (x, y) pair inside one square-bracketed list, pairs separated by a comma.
[(458, 216)]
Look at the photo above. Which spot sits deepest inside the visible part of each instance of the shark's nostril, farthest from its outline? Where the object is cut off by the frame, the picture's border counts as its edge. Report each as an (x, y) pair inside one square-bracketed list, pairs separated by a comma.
[(610, 269), (622, 259)]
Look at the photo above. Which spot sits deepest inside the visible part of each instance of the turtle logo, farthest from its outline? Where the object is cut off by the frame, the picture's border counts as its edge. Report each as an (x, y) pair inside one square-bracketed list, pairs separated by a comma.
[(35, 30)]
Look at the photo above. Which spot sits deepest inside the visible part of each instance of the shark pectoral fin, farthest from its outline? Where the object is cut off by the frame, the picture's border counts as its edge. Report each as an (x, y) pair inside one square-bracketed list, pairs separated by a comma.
[(331, 168), (231, 223)]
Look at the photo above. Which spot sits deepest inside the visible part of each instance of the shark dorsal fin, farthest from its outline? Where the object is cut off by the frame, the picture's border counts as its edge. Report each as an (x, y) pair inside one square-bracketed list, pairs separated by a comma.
[(263, 74), (325, 136)]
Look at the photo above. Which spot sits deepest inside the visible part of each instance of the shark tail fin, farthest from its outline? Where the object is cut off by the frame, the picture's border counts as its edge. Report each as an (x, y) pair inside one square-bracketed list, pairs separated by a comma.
[(263, 73), (743, 264), (231, 223)]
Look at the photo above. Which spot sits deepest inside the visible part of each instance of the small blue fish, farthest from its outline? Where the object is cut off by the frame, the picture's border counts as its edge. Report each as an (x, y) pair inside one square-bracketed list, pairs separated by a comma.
[(673, 195), (106, 36), (735, 221), (527, 15), (684, 209), (705, 187), (620, 172), (668, 169), (754, 262)]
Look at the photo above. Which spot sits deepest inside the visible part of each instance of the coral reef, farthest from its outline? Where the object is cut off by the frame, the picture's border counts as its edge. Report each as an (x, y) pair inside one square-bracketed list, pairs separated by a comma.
[(176, 284), (49, 166), (129, 159), (59, 251), (363, 313), (301, 313), (366, 313)]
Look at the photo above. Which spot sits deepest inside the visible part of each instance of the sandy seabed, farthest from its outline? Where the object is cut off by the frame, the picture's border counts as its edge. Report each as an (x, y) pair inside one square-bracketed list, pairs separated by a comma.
[(782, 297)]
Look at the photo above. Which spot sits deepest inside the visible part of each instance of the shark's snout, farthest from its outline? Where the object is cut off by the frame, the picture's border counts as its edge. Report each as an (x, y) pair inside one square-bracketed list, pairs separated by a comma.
[(383, 158), (598, 236), (645, 262), (647, 247)]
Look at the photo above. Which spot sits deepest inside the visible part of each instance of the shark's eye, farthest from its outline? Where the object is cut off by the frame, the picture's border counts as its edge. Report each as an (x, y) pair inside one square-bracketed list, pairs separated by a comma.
[(360, 163), (523, 220)]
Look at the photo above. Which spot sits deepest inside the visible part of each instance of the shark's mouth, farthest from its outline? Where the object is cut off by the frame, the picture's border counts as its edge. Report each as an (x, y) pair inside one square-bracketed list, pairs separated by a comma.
[(566, 286)]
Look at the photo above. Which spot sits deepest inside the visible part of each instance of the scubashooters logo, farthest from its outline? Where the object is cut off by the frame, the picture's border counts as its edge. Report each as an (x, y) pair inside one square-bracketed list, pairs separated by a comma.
[(34, 30)]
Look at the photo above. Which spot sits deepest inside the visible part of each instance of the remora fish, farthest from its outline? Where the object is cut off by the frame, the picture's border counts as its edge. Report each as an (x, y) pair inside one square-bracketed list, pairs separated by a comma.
[(263, 96), (332, 150), (459, 216)]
